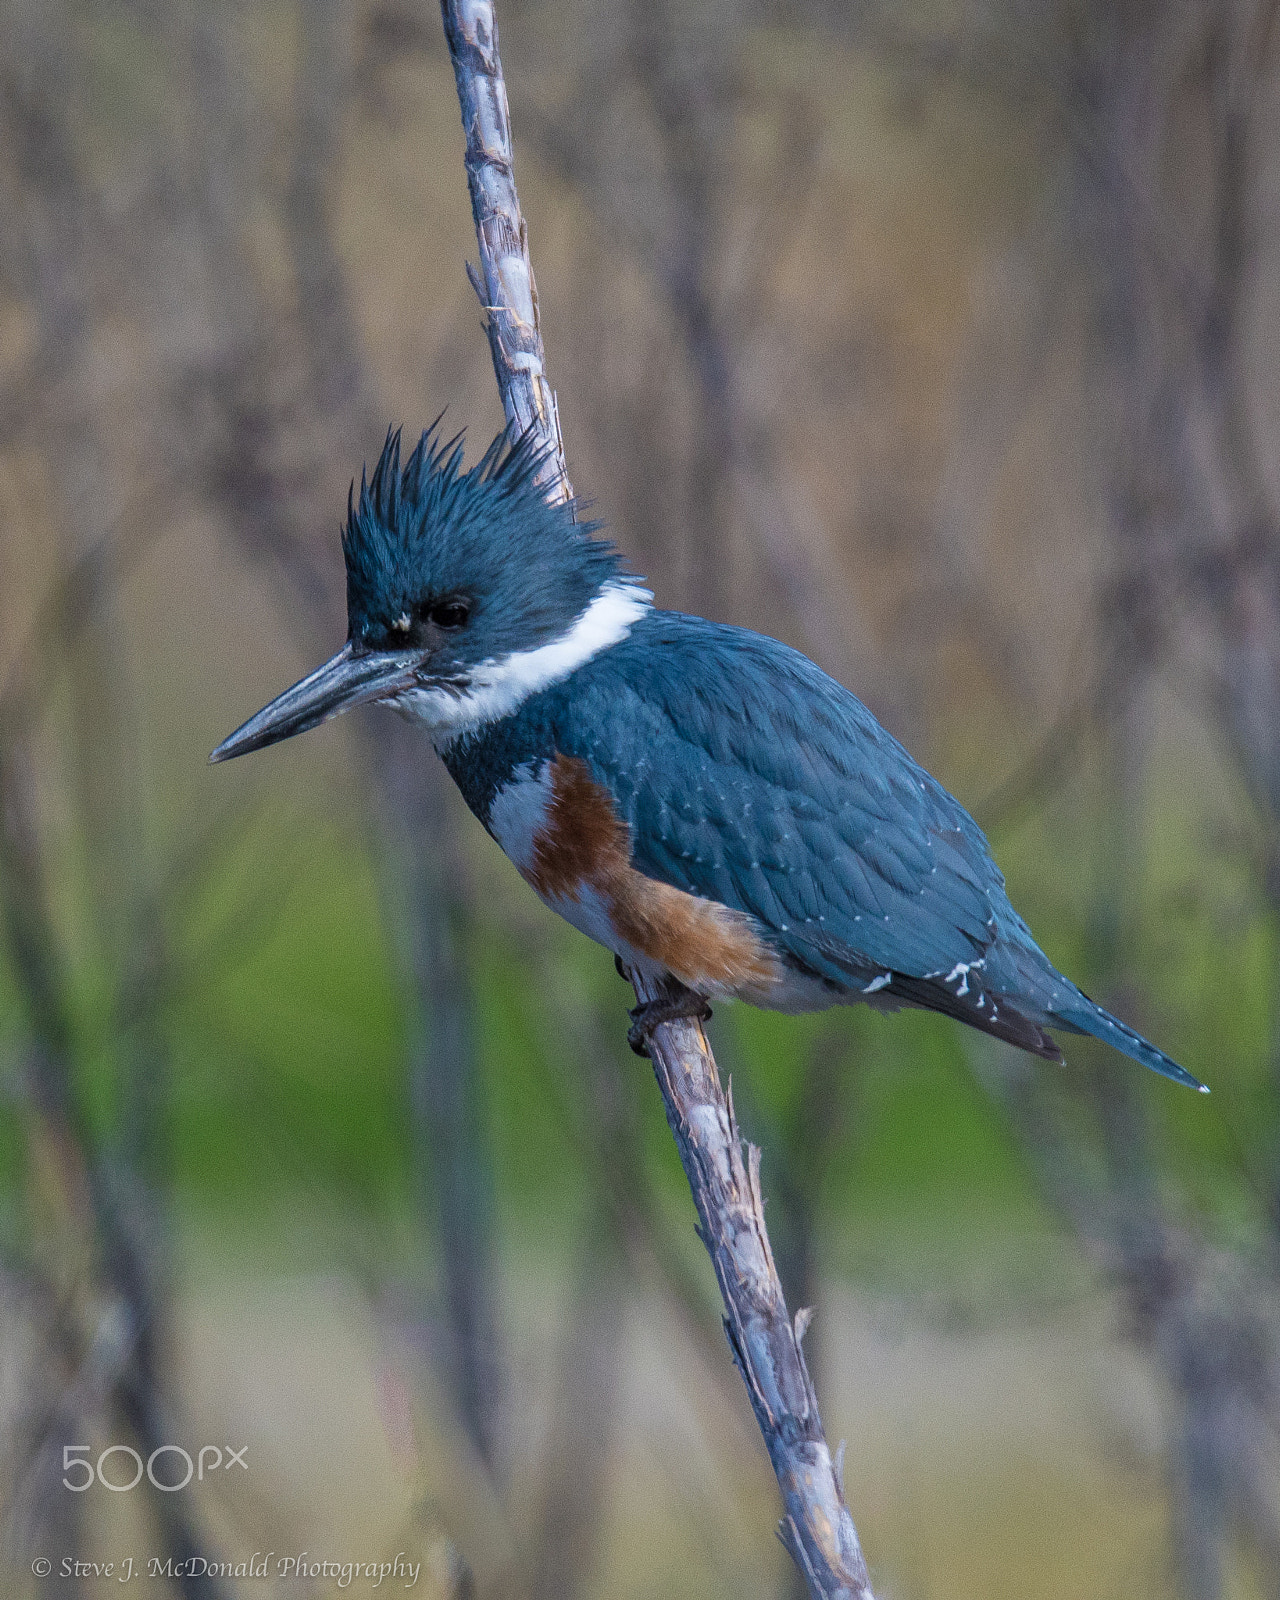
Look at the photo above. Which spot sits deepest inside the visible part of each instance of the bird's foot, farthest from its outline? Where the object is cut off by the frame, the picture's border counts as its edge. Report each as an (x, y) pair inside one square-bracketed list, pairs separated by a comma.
[(672, 1006)]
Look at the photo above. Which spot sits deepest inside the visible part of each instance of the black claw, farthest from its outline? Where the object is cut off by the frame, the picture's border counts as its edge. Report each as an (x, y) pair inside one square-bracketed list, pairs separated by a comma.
[(670, 1007)]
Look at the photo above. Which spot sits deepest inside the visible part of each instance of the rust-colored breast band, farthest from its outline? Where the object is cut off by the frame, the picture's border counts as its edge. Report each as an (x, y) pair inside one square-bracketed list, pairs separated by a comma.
[(584, 842)]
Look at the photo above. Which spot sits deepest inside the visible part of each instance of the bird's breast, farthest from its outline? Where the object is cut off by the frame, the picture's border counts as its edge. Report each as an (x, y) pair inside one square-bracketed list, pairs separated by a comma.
[(563, 831)]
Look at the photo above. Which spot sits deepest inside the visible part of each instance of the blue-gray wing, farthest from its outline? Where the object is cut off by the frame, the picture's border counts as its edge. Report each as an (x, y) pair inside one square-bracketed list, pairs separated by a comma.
[(749, 777)]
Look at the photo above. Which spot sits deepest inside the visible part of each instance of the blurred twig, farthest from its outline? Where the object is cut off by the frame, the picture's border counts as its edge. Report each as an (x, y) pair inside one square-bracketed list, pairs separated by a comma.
[(91, 1218), (737, 468), (269, 501), (1195, 542), (423, 874)]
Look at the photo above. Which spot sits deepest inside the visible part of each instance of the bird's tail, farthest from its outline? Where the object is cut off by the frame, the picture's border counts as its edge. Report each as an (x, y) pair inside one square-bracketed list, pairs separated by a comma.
[(1086, 1017)]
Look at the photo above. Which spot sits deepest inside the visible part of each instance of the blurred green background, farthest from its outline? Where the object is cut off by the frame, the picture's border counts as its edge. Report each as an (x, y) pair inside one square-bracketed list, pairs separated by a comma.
[(938, 340)]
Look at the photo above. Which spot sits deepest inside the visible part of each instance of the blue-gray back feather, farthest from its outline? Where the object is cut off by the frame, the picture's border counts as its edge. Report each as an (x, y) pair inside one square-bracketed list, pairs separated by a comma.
[(749, 777)]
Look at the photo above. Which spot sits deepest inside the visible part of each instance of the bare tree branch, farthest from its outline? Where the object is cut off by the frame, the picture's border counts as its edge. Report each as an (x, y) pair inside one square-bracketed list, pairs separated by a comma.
[(817, 1528), (505, 282)]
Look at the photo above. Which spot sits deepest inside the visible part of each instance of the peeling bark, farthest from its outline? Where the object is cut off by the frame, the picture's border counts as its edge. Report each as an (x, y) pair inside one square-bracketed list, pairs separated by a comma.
[(816, 1529), (505, 282)]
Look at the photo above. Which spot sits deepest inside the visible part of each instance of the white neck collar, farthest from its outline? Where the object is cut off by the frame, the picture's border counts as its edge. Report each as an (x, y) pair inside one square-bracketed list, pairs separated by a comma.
[(497, 688)]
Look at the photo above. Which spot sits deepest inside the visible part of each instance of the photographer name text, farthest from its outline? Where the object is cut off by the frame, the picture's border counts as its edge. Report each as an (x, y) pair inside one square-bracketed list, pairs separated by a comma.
[(399, 1570)]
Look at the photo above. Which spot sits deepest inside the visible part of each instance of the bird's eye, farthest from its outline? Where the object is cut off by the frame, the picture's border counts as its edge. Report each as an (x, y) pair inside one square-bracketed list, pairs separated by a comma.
[(451, 613)]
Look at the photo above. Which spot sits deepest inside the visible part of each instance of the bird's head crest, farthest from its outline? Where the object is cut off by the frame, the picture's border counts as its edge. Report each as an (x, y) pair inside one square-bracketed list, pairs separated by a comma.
[(466, 591), (482, 552)]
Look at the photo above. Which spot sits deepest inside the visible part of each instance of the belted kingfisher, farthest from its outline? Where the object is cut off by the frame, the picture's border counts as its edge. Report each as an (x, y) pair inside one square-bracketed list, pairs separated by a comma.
[(702, 800)]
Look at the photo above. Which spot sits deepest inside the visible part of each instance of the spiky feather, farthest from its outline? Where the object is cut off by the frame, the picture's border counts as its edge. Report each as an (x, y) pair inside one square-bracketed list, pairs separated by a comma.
[(423, 531)]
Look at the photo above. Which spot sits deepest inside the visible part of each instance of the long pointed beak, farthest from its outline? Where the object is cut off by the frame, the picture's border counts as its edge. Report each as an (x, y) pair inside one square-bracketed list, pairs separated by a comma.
[(344, 681)]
